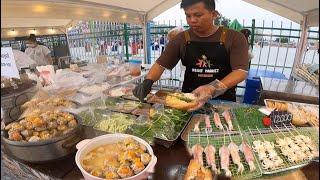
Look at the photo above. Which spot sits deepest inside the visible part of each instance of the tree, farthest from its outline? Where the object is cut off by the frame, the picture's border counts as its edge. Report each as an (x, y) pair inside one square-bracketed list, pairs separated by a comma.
[(282, 40), (222, 20)]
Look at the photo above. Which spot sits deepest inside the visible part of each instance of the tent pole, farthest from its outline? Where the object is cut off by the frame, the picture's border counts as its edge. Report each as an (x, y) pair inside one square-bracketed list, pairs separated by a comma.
[(146, 39), (301, 48)]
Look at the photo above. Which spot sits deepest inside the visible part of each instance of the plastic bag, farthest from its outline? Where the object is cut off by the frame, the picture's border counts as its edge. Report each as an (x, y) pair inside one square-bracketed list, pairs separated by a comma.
[(67, 79), (22, 59), (46, 74)]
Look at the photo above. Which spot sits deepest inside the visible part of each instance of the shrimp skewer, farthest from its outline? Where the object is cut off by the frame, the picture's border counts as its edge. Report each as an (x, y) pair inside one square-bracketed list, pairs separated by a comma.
[(207, 122), (248, 154), (224, 157), (210, 151), (217, 121), (196, 127), (227, 117), (234, 151), (197, 151)]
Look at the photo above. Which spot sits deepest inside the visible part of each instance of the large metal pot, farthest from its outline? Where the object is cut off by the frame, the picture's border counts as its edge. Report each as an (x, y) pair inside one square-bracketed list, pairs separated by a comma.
[(43, 151)]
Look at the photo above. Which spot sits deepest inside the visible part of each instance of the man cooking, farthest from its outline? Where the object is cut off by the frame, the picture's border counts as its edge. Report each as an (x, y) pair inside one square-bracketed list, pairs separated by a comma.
[(216, 58)]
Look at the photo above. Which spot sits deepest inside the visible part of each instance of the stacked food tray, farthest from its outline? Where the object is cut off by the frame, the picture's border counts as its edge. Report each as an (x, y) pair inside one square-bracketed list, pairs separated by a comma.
[(218, 142), (302, 113)]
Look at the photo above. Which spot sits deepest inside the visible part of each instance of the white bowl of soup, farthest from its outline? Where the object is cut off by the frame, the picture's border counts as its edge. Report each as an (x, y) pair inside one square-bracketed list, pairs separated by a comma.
[(115, 156)]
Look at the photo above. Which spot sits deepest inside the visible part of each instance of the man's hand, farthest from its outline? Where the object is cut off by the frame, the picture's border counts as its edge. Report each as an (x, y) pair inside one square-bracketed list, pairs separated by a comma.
[(203, 94), (143, 89)]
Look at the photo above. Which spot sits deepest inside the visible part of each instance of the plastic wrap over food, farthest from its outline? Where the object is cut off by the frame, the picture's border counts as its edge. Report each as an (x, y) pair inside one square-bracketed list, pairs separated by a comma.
[(83, 99), (46, 74), (121, 70), (67, 79), (118, 91), (42, 101)]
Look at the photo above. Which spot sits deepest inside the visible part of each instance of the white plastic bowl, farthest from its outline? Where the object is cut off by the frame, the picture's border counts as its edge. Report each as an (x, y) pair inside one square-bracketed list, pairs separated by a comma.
[(87, 145)]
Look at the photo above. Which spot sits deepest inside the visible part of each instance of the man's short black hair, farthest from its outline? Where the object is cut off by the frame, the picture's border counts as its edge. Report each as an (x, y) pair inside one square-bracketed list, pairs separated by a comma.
[(209, 4)]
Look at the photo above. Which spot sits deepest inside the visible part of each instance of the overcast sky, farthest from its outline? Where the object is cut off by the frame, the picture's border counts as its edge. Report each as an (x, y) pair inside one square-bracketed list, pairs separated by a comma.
[(233, 9)]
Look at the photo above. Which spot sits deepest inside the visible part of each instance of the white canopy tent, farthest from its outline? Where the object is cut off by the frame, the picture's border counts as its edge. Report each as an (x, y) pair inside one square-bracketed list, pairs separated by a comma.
[(62, 14), (55, 13), (305, 13)]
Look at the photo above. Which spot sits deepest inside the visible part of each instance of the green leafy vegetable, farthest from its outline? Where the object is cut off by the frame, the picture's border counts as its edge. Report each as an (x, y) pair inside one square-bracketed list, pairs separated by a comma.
[(249, 117), (163, 125)]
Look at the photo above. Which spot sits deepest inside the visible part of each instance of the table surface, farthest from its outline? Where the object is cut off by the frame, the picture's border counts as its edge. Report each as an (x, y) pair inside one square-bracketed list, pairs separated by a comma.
[(289, 86), (171, 165), (296, 91)]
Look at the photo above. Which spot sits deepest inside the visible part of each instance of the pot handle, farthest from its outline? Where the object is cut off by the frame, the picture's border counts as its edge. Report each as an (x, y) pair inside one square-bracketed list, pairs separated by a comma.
[(152, 165), (70, 143), (82, 143)]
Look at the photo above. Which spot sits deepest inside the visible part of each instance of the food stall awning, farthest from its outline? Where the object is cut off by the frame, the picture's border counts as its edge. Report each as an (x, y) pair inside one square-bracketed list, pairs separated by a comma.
[(294, 10), (49, 11)]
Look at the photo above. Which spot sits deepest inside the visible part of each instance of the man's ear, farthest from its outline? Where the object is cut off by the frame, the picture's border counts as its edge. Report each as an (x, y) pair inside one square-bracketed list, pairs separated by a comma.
[(215, 14)]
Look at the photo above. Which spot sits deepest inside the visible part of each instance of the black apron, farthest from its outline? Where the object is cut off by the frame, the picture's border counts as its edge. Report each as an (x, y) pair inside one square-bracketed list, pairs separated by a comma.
[(205, 62)]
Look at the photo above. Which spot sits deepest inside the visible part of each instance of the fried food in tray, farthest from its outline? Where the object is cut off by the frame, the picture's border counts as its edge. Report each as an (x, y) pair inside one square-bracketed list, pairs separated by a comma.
[(302, 114), (41, 126), (280, 106), (197, 171)]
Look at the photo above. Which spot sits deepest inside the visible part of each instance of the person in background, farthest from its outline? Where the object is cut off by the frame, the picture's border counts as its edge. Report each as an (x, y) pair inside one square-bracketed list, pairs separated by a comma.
[(162, 43), (39, 53), (247, 33), (216, 58)]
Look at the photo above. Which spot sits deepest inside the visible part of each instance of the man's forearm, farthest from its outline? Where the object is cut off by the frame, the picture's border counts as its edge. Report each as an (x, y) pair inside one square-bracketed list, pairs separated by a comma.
[(155, 72), (234, 78)]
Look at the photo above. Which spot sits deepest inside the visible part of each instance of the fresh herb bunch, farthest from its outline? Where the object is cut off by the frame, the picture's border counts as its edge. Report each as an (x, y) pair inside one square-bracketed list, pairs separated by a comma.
[(163, 125), (249, 117)]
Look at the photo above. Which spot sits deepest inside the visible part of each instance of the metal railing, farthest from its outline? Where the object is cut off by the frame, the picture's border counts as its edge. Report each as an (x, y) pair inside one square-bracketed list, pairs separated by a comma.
[(273, 47)]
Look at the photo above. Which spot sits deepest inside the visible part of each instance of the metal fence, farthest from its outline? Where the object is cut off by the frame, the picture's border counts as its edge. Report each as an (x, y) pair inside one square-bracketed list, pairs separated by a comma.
[(273, 46)]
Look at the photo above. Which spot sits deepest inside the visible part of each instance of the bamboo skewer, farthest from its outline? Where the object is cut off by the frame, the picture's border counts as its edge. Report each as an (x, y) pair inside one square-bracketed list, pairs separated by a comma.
[(288, 129), (251, 134), (260, 134), (274, 132), (240, 133), (280, 131)]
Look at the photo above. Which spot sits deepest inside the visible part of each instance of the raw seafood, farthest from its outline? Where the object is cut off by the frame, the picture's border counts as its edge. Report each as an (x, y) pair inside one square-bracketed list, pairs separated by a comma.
[(248, 154), (227, 117), (234, 151), (197, 151), (196, 127), (210, 151), (207, 122), (224, 159), (217, 121), (266, 153)]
